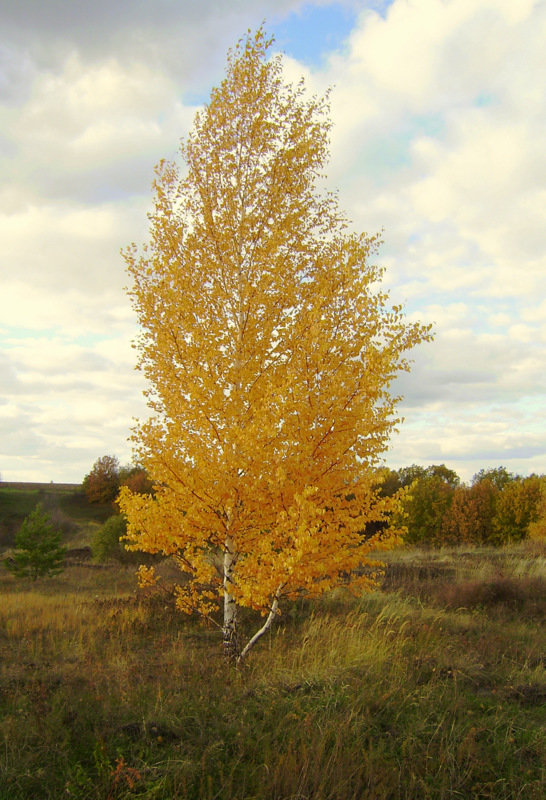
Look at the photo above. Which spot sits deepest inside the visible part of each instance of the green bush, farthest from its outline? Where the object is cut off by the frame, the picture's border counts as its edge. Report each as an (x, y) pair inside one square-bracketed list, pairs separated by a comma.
[(106, 543)]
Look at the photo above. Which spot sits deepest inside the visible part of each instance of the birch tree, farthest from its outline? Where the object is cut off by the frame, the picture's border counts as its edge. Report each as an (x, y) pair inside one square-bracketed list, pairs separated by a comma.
[(268, 350)]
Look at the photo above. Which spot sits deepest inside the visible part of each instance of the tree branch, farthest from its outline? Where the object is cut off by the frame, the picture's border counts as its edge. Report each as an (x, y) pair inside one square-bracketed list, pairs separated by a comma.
[(265, 627)]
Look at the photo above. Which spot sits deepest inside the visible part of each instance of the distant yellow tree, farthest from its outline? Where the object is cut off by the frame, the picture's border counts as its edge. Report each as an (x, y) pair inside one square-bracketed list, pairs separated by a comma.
[(517, 508), (537, 527), (269, 352)]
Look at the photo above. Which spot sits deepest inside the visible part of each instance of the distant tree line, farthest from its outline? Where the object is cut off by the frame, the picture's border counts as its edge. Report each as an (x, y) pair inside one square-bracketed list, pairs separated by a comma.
[(497, 507), (436, 508)]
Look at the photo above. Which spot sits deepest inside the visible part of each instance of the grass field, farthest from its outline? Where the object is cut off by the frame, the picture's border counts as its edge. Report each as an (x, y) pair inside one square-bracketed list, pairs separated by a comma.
[(433, 687)]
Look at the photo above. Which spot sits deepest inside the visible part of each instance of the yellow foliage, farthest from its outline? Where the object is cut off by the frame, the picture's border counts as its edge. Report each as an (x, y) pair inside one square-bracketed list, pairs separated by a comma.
[(268, 351), (146, 576), (537, 528)]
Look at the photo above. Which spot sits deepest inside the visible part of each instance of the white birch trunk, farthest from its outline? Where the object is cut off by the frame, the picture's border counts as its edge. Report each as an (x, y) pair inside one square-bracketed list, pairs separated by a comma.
[(231, 645), (230, 632)]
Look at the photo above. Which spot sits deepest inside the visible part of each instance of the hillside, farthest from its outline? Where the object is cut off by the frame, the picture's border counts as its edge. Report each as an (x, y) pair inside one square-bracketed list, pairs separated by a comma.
[(65, 502)]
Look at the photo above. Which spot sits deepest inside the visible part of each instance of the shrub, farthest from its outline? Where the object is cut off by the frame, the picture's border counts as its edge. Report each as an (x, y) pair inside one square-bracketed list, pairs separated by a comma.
[(106, 543)]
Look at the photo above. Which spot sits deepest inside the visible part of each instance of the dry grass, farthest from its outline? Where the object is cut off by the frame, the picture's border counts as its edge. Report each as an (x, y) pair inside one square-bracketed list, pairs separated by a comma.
[(401, 695)]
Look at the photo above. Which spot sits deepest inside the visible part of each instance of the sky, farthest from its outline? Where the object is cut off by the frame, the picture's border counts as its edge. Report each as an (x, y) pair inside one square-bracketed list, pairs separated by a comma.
[(439, 141)]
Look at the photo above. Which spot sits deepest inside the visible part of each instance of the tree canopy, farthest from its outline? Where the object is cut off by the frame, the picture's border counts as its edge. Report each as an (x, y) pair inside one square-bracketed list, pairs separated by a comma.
[(268, 349), (101, 485)]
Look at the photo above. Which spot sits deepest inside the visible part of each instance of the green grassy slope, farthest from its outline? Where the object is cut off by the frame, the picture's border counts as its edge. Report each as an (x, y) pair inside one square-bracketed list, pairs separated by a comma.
[(66, 503)]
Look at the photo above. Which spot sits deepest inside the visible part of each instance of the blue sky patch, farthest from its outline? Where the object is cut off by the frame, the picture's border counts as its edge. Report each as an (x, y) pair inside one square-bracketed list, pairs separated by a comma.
[(310, 34), (387, 154), (12, 335), (485, 99), (433, 125)]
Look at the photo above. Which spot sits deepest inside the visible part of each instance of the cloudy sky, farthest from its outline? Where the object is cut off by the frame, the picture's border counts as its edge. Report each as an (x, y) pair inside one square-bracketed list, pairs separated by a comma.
[(439, 109)]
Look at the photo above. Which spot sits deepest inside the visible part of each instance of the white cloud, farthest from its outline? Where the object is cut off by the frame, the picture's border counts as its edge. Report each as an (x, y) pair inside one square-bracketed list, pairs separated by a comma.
[(435, 89), (439, 130), (92, 133), (63, 267), (66, 403), (486, 181)]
